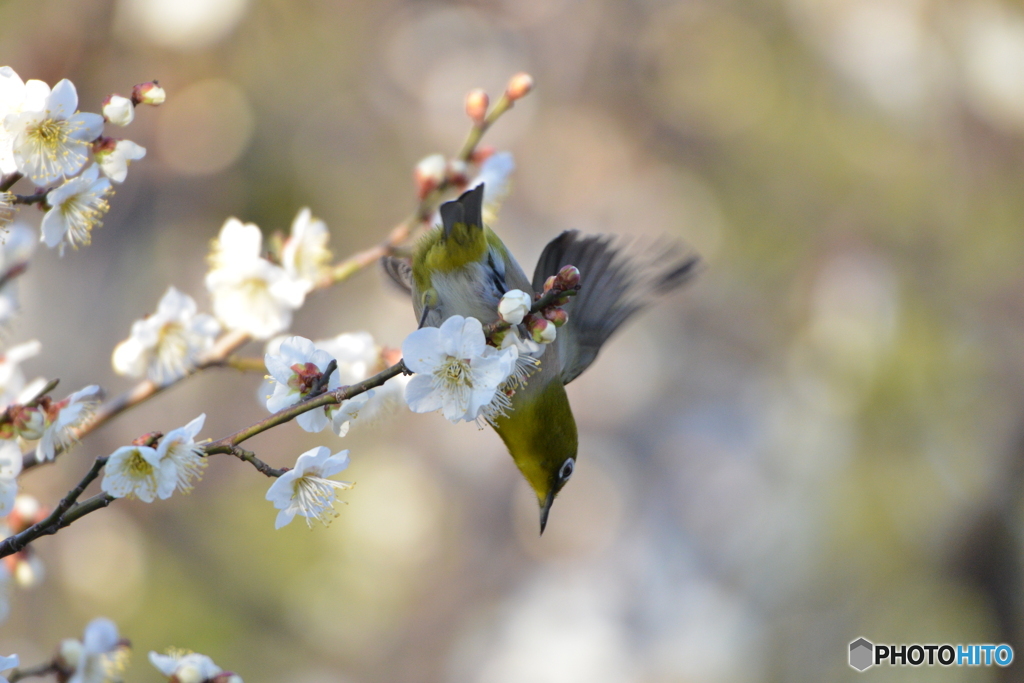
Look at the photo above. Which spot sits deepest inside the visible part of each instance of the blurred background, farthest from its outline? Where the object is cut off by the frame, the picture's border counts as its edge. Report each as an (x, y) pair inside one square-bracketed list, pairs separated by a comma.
[(821, 439)]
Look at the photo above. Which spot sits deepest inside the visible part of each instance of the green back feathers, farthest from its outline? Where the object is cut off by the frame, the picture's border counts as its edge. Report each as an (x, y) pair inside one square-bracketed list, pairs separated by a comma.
[(459, 241), (540, 433)]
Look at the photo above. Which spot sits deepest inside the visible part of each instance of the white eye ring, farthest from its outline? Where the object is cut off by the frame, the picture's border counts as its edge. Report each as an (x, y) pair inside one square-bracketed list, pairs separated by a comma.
[(567, 469)]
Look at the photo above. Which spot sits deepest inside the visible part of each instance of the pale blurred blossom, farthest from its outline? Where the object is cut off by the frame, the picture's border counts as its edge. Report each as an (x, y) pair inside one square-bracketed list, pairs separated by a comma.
[(190, 667), (17, 246), (342, 415), (6, 663), (63, 418), (167, 344), (77, 207), (250, 293), (10, 468), (12, 380), (52, 142), (99, 659), (305, 254)]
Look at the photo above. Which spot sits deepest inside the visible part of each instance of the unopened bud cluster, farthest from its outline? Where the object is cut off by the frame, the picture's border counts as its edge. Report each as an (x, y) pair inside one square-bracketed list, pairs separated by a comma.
[(517, 307)]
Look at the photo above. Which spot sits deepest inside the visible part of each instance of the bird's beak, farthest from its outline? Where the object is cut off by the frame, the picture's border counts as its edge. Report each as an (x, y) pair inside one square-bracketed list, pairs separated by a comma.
[(545, 508)]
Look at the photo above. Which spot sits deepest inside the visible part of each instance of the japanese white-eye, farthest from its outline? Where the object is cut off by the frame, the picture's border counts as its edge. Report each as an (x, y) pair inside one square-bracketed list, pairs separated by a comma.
[(462, 268)]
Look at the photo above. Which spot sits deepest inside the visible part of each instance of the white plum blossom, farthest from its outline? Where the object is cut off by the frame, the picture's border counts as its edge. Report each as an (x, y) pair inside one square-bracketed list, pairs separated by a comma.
[(306, 490), (6, 663), (167, 344), (294, 370), (97, 658), (52, 141), (250, 293), (188, 667), (114, 157), (119, 110), (77, 207), (6, 210), (179, 447), (514, 306), (15, 249), (456, 371), (15, 97), (139, 471), (355, 352), (305, 254), (10, 468), (63, 418)]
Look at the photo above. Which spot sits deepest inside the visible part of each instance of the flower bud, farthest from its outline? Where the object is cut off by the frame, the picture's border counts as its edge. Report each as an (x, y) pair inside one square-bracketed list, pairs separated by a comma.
[(514, 305), (549, 283), (69, 653), (28, 423), (476, 105), (568, 278), (29, 572), (148, 93), (482, 154), (27, 507), (118, 110), (428, 174), (556, 315), (458, 172), (542, 331), (518, 86)]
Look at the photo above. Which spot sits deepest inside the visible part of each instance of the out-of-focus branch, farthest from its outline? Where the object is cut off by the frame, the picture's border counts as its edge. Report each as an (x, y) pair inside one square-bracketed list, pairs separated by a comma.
[(36, 671), (36, 198), (7, 182)]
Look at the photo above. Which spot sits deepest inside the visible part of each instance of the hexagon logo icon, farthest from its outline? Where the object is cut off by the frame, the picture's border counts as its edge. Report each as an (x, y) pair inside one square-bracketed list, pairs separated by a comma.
[(862, 654)]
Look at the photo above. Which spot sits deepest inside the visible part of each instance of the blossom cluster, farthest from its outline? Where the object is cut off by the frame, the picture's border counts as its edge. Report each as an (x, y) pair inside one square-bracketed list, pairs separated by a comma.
[(63, 152)]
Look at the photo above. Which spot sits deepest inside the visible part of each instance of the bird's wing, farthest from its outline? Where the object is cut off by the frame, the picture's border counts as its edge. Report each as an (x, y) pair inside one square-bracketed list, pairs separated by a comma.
[(399, 270), (617, 278)]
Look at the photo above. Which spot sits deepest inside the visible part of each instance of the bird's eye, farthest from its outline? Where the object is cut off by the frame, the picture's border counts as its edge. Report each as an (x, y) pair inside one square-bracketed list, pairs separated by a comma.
[(567, 467)]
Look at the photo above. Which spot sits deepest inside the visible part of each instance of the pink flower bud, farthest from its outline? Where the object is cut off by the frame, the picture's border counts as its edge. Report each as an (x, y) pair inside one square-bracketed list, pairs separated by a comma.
[(557, 315), (482, 154), (118, 110), (148, 93), (549, 283), (476, 105), (568, 278), (543, 331), (519, 85), (428, 174)]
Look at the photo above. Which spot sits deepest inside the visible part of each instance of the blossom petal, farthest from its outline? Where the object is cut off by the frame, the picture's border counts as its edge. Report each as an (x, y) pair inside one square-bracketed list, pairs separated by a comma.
[(420, 395), (422, 350)]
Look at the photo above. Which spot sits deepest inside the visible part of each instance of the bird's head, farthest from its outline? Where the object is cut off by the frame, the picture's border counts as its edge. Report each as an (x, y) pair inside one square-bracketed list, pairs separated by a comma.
[(540, 433)]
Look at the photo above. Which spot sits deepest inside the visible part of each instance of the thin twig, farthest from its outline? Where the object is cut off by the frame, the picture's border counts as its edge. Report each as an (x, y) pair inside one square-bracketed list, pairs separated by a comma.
[(39, 670), (8, 182)]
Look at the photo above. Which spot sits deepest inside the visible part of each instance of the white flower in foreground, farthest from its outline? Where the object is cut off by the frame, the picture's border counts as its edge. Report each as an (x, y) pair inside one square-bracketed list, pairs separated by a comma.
[(6, 663), (15, 97), (12, 380), (139, 471), (306, 490), (118, 110), (456, 371), (53, 142), (77, 207), (98, 658), (189, 667), (63, 418), (179, 447), (10, 468), (514, 306), (295, 369), (305, 254), (114, 157), (167, 344), (250, 293)]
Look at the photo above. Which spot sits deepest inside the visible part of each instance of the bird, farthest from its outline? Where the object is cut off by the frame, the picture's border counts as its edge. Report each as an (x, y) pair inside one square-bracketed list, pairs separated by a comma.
[(461, 267)]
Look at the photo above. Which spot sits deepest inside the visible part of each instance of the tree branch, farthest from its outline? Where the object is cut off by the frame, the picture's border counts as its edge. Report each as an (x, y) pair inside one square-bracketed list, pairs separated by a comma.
[(37, 671)]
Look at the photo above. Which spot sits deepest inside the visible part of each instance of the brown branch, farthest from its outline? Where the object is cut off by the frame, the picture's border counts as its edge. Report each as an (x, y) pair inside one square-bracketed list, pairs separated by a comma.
[(8, 182), (37, 198), (37, 671)]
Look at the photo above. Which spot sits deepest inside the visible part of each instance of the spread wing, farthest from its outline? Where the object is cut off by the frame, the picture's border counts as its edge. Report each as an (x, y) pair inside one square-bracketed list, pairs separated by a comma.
[(618, 278)]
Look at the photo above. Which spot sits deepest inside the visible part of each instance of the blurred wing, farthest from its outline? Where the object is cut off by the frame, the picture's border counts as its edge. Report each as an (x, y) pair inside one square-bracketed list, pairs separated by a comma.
[(617, 278), (399, 271)]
